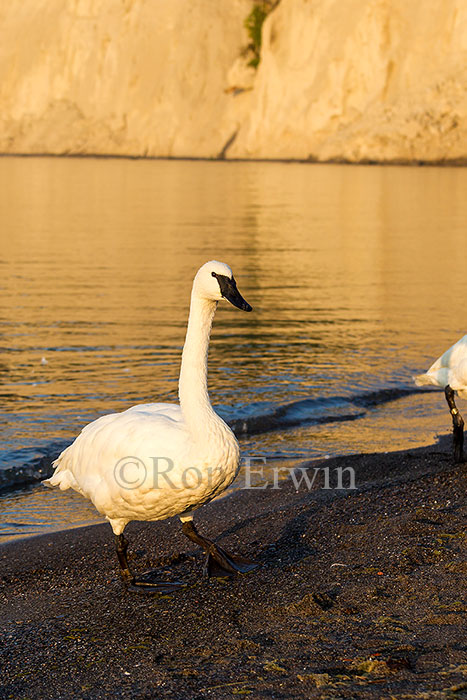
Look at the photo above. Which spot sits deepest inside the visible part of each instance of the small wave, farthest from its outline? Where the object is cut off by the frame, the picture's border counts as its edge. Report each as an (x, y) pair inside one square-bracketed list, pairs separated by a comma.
[(381, 396), (301, 412), (313, 411), (27, 465)]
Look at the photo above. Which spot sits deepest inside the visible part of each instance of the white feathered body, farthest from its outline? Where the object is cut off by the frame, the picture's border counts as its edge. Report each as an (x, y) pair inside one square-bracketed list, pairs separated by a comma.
[(143, 464), (450, 368)]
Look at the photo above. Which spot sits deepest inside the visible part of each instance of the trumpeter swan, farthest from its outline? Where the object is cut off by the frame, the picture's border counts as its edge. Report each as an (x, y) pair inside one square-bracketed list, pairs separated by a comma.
[(154, 461), (450, 373)]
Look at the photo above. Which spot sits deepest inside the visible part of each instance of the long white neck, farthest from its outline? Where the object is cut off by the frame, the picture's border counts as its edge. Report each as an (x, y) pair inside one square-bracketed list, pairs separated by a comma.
[(193, 383)]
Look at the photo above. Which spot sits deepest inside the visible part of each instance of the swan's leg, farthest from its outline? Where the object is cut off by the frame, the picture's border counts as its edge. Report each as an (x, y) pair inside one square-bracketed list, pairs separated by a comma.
[(457, 425), (147, 582), (122, 546), (218, 562)]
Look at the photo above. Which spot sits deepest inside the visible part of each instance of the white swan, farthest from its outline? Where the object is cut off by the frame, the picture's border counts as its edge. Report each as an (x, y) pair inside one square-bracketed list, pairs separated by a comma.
[(450, 373), (154, 461)]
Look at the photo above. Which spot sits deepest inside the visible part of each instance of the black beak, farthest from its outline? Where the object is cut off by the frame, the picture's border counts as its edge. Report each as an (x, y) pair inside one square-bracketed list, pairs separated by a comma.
[(230, 292)]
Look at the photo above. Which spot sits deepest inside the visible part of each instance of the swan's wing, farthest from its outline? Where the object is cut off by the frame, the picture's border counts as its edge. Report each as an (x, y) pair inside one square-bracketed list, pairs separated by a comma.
[(450, 368), (121, 448), (170, 410), (452, 357)]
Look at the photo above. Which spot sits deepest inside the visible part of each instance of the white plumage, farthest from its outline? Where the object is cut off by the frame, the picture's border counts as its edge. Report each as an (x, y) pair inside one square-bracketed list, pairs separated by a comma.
[(449, 369), (144, 464), (154, 461)]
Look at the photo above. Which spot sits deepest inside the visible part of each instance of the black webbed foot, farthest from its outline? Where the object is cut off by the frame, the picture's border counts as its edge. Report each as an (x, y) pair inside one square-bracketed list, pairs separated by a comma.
[(219, 563), (149, 582)]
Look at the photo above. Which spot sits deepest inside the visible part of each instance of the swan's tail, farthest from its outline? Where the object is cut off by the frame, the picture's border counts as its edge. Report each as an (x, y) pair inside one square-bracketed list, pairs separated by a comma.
[(64, 480), (423, 379), (62, 476)]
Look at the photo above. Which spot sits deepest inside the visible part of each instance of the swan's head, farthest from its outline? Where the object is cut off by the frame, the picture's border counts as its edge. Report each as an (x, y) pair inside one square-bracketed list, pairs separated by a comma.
[(215, 281)]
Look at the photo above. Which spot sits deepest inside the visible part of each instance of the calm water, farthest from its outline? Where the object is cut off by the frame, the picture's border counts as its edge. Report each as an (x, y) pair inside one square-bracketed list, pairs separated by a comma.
[(356, 276)]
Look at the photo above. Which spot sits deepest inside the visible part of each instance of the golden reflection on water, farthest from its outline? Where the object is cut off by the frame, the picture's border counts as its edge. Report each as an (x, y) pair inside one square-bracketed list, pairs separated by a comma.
[(356, 276)]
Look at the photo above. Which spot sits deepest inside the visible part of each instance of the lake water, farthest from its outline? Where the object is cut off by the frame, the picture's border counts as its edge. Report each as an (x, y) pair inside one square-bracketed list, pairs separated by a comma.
[(356, 276)]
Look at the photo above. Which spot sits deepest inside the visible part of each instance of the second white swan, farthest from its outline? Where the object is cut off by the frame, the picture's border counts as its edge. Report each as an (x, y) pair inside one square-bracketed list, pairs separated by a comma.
[(449, 372)]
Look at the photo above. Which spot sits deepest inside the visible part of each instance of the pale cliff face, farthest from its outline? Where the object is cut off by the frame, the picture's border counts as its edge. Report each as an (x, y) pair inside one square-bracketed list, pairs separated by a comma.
[(360, 80), (141, 77), (363, 79)]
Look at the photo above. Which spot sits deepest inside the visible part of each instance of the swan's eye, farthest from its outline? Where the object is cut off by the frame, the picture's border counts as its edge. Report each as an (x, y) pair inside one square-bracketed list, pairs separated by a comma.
[(213, 274)]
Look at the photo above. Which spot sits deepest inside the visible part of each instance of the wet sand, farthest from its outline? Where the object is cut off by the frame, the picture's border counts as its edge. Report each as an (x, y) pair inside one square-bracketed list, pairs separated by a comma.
[(361, 594)]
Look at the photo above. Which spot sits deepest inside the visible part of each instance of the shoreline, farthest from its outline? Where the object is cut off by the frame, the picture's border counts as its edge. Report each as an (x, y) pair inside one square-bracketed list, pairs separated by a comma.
[(29, 465), (360, 594), (460, 162)]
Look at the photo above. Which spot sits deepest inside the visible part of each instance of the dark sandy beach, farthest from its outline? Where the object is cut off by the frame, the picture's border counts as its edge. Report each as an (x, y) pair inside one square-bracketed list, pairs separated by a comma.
[(361, 594)]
